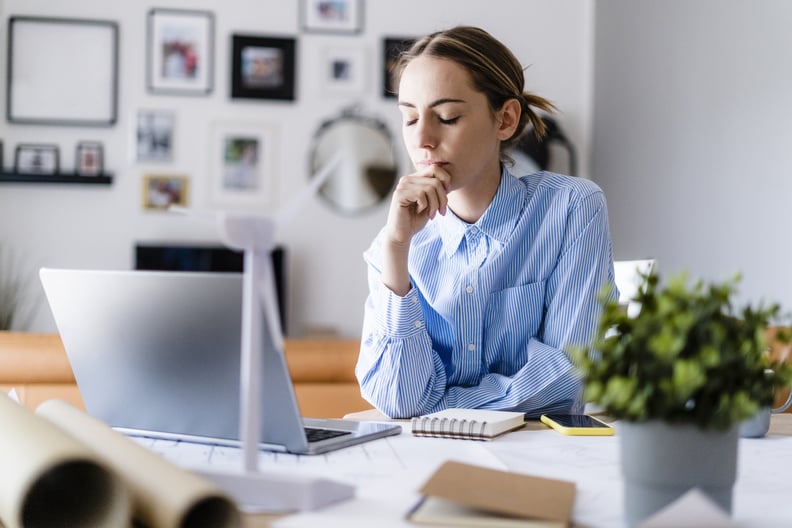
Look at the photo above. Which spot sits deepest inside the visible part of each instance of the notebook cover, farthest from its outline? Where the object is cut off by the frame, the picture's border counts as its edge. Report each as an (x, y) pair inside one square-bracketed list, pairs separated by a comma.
[(503, 492), (476, 424)]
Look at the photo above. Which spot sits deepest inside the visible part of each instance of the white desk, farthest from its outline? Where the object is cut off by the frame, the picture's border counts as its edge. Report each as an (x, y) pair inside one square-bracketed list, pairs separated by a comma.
[(388, 472)]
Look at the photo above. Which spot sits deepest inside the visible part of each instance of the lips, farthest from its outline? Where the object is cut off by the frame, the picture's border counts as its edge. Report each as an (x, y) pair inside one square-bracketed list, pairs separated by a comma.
[(427, 163)]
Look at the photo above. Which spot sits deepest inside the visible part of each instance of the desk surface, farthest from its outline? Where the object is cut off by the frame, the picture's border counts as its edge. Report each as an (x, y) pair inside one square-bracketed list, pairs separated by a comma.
[(388, 472)]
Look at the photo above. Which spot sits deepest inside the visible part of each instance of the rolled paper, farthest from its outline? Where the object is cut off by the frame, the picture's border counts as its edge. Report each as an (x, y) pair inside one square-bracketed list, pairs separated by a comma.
[(163, 494), (47, 478)]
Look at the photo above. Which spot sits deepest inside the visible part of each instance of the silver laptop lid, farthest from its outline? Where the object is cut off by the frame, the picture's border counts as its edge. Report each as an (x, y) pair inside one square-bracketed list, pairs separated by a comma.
[(160, 351)]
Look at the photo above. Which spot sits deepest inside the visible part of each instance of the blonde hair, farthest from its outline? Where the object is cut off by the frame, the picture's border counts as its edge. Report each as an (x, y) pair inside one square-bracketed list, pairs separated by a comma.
[(494, 69)]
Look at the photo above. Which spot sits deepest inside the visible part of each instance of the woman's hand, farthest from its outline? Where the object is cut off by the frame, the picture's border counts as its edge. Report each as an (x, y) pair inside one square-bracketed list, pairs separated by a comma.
[(418, 197)]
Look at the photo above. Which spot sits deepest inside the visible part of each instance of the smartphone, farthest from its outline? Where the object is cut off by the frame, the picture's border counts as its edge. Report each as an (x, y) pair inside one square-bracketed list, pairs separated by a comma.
[(577, 424)]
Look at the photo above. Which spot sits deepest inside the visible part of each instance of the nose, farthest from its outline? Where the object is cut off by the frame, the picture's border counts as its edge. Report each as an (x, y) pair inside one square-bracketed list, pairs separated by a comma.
[(425, 134)]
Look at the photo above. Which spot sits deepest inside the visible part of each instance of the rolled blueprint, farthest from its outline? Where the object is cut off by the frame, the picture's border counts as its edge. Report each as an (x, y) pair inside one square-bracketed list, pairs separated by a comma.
[(163, 494), (47, 478)]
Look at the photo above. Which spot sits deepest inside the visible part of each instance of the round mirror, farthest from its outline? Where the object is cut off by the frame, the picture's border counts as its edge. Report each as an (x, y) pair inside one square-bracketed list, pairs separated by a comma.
[(367, 171)]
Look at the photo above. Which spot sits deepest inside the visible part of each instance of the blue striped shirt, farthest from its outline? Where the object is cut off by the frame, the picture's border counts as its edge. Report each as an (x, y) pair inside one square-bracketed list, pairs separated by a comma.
[(493, 305)]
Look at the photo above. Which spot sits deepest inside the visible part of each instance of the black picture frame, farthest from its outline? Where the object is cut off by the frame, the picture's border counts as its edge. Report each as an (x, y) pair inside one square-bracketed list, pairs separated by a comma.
[(36, 158), (62, 71), (263, 67), (180, 52), (336, 16), (89, 158), (392, 47)]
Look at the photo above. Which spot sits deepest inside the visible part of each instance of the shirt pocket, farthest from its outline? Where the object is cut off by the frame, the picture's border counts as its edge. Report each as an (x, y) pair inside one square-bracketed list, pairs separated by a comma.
[(514, 315)]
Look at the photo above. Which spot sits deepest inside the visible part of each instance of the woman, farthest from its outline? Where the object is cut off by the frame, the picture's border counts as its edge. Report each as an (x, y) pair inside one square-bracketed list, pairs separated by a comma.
[(479, 281)]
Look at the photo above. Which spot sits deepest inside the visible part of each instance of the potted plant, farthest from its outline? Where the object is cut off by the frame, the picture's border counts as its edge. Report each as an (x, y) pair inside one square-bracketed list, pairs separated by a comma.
[(681, 375), (12, 286)]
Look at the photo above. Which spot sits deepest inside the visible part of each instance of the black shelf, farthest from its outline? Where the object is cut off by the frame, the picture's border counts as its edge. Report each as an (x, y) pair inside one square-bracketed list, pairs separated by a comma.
[(60, 177)]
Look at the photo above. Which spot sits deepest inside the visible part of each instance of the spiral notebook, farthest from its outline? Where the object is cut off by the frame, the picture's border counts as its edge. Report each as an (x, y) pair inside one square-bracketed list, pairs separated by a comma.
[(468, 424)]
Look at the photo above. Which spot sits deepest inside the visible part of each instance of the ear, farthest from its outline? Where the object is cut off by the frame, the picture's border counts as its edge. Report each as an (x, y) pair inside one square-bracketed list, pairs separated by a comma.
[(508, 117)]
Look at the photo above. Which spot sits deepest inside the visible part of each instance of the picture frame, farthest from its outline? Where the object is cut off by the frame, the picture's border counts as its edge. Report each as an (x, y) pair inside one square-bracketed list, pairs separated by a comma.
[(263, 67), (344, 71), (153, 135), (36, 159), (62, 71), (332, 16), (180, 52), (243, 161), (160, 191), (392, 47), (89, 159)]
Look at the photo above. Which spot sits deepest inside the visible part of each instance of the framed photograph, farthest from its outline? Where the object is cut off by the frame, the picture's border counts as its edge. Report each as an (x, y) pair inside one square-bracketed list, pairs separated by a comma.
[(62, 71), (160, 191), (36, 159), (154, 135), (344, 71), (332, 16), (262, 67), (180, 52), (392, 48), (89, 159), (243, 164)]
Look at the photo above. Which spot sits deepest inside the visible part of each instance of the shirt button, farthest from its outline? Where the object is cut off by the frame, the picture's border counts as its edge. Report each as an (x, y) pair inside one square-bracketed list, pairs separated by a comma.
[(418, 324), (474, 230), (415, 300), (471, 347), (469, 289)]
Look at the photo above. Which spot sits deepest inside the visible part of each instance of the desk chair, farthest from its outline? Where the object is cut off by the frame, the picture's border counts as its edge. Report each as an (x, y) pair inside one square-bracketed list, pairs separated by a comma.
[(627, 274), (628, 280)]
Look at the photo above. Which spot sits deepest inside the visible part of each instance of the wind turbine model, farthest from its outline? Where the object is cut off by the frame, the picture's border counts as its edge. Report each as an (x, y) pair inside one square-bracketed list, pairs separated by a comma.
[(253, 490)]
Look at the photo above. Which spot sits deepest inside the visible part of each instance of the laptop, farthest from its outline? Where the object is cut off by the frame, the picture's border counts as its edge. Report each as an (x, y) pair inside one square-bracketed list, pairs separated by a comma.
[(157, 354)]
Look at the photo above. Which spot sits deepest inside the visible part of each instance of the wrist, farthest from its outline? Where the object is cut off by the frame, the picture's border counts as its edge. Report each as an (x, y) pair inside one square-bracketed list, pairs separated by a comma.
[(395, 273)]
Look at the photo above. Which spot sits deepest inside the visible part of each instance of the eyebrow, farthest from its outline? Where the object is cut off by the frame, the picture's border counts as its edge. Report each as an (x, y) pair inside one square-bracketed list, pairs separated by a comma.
[(438, 102)]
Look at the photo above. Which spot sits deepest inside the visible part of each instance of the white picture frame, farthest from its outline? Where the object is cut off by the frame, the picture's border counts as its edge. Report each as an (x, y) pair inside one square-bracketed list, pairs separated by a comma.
[(243, 161), (332, 16), (344, 71), (153, 136), (180, 52)]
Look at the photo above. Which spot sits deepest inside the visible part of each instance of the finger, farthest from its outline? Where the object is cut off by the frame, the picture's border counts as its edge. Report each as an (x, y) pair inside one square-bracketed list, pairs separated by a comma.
[(442, 175), (440, 180), (432, 202)]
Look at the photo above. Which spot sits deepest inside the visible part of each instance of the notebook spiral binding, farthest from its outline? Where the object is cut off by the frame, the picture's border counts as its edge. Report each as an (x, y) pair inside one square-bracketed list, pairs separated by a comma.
[(449, 428)]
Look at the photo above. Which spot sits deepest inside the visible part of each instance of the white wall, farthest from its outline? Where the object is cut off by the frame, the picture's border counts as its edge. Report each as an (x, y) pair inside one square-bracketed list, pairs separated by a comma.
[(96, 226), (692, 140)]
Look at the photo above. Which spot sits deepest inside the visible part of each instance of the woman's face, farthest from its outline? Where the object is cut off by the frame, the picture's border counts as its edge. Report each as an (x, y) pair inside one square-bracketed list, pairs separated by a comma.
[(446, 122)]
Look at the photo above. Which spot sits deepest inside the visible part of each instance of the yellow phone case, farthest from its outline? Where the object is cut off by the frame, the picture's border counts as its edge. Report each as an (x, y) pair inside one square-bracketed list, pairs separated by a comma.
[(604, 430)]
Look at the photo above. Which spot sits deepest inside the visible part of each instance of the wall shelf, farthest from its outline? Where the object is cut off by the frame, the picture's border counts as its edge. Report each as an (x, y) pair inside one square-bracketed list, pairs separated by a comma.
[(60, 177)]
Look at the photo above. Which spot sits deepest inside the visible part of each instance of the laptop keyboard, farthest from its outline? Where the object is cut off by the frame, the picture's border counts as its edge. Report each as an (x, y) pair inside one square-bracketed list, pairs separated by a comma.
[(317, 435)]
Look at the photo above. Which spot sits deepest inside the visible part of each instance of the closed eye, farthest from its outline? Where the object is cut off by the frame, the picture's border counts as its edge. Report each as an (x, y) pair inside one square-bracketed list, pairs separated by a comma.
[(449, 121), (410, 122)]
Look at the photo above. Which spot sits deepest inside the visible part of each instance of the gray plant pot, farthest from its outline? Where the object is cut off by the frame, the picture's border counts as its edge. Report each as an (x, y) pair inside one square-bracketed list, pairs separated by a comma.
[(661, 462)]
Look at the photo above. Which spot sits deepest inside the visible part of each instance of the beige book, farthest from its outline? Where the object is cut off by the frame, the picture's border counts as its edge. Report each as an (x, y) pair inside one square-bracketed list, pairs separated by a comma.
[(62, 467), (460, 494)]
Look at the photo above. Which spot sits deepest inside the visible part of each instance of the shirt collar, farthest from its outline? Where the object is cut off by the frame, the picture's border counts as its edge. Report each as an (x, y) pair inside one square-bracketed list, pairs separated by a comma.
[(497, 222)]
